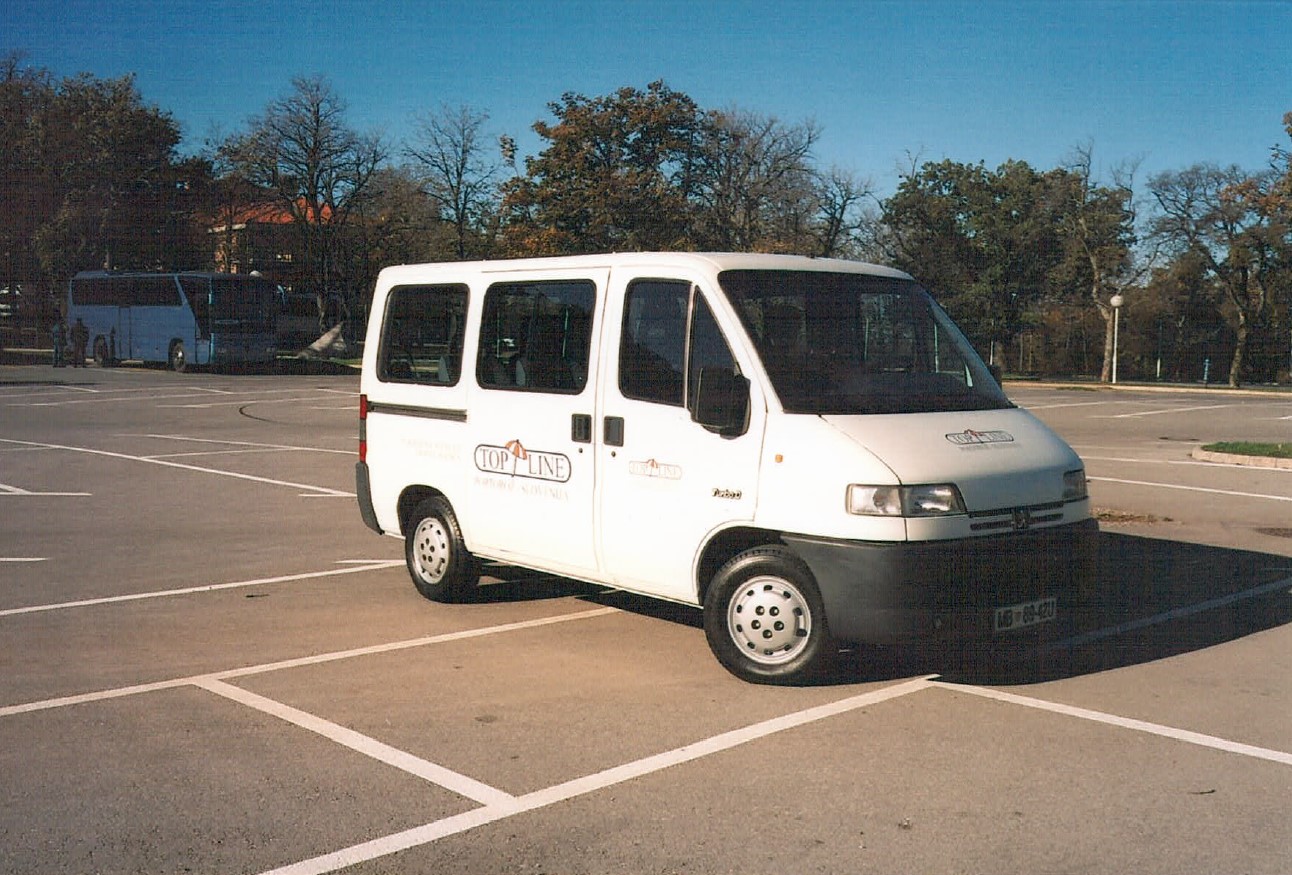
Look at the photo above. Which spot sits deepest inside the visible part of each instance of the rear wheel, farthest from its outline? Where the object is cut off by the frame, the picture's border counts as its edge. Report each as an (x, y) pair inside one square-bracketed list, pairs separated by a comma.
[(177, 360), (438, 561), (765, 620)]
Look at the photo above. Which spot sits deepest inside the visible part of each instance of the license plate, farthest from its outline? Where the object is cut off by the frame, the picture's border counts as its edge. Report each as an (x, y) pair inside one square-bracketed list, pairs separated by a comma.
[(1023, 615)]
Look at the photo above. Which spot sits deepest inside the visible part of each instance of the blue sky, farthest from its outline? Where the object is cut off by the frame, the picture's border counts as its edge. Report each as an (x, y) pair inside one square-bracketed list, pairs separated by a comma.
[(1167, 83)]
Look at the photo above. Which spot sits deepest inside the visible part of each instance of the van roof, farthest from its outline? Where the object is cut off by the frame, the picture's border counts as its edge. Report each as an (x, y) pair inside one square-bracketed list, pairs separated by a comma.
[(714, 261)]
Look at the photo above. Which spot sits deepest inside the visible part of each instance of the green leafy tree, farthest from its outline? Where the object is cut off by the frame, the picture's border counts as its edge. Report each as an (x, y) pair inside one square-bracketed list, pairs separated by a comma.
[(984, 241), (1233, 222), (618, 173), (27, 180)]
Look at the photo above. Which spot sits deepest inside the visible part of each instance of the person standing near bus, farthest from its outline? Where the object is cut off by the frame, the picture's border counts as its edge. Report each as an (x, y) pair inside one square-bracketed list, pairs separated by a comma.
[(59, 338), (80, 339)]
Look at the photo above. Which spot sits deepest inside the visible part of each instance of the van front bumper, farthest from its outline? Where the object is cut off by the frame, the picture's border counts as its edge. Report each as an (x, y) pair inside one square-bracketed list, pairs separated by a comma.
[(883, 593)]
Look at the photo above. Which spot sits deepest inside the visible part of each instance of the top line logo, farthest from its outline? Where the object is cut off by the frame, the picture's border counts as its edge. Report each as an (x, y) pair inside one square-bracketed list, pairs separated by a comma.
[(514, 460), (969, 437)]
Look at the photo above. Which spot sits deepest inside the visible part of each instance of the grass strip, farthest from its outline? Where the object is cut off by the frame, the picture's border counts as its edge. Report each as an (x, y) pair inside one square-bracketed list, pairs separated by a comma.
[(1250, 448)]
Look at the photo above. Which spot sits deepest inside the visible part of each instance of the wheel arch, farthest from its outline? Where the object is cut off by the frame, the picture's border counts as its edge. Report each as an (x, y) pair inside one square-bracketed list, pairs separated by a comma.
[(414, 495), (726, 544)]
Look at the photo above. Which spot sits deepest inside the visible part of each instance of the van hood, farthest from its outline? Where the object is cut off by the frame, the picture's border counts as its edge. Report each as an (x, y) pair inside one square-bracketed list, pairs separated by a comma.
[(997, 458)]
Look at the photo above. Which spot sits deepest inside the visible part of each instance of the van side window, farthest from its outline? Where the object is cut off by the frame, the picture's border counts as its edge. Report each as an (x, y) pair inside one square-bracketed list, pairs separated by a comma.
[(422, 340), (536, 336), (708, 348), (652, 350), (656, 361)]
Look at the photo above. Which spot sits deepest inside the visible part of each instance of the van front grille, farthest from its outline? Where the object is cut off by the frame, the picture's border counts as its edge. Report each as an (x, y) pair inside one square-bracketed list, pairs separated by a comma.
[(1016, 518)]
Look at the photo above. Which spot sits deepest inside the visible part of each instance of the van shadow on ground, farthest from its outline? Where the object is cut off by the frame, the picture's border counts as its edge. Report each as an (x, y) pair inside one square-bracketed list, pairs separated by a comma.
[(1151, 599)]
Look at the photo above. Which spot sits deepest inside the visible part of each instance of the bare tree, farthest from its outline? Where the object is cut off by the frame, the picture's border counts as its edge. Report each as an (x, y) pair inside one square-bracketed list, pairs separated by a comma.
[(759, 186), (1100, 224), (840, 195), (451, 150), (317, 168)]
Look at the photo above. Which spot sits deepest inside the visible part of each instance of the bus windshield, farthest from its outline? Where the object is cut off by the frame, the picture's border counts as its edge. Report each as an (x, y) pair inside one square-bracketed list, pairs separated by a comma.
[(845, 343), (243, 303)]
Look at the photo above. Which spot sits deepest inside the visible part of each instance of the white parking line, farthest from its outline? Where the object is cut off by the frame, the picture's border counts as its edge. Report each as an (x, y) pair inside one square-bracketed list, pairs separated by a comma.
[(1193, 489), (14, 490), (299, 662), (24, 558), (241, 402), (180, 437), (1171, 732), (468, 820), (1169, 410), (235, 474), (210, 587), (370, 747)]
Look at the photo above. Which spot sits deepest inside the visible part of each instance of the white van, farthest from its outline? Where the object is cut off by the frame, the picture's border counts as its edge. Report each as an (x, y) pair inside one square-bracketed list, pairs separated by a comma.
[(808, 448)]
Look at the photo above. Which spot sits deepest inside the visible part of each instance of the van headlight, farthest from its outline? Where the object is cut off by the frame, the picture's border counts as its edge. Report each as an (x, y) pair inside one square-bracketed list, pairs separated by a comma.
[(1074, 485), (938, 499)]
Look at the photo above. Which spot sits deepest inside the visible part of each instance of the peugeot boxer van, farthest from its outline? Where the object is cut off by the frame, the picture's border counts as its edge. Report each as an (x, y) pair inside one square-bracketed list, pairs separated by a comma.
[(809, 449)]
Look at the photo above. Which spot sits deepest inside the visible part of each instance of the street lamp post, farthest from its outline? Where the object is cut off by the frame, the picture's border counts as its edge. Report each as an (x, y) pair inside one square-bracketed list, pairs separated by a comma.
[(1116, 302)]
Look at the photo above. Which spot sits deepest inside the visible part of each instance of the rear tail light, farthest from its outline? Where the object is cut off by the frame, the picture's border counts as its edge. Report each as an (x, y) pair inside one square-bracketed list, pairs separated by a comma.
[(363, 428)]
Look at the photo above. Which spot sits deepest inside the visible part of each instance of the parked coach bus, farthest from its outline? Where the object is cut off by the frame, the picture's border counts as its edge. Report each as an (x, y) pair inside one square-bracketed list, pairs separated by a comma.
[(176, 318)]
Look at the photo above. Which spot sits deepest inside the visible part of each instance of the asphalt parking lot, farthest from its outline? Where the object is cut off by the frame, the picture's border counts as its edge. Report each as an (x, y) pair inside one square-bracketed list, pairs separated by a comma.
[(208, 664)]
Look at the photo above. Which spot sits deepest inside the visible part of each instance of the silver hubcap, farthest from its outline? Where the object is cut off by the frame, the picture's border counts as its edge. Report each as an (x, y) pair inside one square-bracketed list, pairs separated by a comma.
[(431, 550), (769, 620)]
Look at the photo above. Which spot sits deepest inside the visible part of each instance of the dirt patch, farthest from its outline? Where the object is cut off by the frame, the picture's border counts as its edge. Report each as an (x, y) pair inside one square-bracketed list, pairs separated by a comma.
[(1105, 515), (1276, 532)]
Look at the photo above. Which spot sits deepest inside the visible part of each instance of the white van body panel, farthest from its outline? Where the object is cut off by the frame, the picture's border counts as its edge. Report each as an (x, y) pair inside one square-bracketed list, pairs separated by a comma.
[(592, 481), (807, 466), (998, 458), (672, 482)]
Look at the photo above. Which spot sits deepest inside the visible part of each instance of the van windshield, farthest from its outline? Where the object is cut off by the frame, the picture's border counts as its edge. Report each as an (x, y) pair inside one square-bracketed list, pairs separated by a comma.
[(845, 343)]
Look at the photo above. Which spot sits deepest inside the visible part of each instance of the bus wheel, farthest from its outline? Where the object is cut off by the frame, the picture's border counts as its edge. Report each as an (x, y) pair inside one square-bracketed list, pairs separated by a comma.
[(438, 561), (176, 359), (764, 618), (102, 357)]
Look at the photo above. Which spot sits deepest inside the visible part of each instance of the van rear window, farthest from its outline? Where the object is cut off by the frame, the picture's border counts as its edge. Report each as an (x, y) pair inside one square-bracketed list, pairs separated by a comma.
[(422, 337)]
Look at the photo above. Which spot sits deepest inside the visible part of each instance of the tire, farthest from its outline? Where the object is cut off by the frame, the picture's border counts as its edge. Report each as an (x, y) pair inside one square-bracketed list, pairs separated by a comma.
[(765, 620), (176, 359), (438, 561)]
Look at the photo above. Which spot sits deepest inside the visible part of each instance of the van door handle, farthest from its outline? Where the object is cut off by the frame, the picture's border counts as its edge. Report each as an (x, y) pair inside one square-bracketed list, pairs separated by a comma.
[(613, 431), (581, 428)]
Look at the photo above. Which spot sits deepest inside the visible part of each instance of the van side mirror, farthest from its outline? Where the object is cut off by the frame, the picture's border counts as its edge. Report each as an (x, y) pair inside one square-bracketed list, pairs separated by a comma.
[(721, 401)]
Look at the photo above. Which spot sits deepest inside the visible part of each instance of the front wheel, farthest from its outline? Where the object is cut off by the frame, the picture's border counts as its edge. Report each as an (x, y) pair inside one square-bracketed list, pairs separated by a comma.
[(438, 561), (765, 620)]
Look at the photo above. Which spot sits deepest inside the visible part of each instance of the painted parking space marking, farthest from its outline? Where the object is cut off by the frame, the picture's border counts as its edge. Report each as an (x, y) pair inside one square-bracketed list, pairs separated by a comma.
[(1172, 410), (24, 558), (469, 820), (1231, 492), (1180, 613), (6, 489), (188, 590), (300, 662), (167, 463), (370, 747), (244, 401), (252, 444), (1185, 735)]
